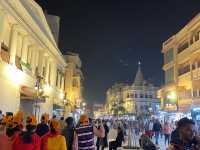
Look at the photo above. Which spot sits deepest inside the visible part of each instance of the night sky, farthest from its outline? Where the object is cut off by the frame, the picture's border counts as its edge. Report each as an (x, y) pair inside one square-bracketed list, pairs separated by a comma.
[(111, 36)]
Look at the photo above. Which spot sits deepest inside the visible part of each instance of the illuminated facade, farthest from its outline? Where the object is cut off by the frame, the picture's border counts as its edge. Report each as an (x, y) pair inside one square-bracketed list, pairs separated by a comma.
[(73, 81), (182, 69), (141, 96), (114, 96), (32, 69), (138, 98)]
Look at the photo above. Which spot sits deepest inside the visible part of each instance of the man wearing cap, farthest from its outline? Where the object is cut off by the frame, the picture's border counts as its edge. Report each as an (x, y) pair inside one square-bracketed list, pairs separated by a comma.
[(84, 134)]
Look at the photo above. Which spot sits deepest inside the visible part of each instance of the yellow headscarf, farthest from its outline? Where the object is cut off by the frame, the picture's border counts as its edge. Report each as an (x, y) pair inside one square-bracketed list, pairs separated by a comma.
[(55, 124), (18, 119)]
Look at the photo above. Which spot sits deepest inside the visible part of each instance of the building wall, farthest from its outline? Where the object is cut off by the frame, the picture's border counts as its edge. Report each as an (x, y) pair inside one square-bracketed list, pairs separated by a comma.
[(73, 81), (184, 67), (28, 50)]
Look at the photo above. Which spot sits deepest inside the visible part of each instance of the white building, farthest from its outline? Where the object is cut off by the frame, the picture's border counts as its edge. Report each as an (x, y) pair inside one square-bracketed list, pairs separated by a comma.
[(28, 51), (138, 98), (141, 96)]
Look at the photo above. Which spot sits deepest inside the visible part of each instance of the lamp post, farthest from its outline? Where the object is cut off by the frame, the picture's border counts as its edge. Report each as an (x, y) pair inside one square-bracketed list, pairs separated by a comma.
[(38, 90)]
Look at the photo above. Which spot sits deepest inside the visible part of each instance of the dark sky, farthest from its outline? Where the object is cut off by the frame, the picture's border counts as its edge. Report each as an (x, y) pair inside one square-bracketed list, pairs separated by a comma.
[(111, 36)]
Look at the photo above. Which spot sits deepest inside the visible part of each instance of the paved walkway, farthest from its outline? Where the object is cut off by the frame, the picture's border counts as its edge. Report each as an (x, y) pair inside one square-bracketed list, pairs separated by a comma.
[(112, 135)]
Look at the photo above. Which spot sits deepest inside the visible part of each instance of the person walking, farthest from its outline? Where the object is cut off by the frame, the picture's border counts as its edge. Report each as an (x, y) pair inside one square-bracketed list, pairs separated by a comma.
[(5, 141), (28, 140), (62, 123), (68, 133), (53, 140), (84, 134), (43, 128), (187, 139), (167, 132), (157, 128), (103, 142), (113, 145)]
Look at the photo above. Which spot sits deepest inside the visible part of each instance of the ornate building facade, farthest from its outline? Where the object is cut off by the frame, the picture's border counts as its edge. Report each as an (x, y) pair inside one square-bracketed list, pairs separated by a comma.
[(73, 81), (181, 90), (138, 98), (32, 68)]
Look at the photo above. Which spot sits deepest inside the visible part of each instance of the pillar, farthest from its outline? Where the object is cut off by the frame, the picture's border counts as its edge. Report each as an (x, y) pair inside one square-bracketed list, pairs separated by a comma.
[(24, 50), (13, 45), (47, 70), (53, 74), (191, 77), (2, 27), (40, 62), (33, 56)]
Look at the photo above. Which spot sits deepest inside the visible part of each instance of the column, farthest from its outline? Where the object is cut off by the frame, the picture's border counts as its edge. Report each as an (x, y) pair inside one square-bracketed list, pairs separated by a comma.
[(58, 80), (53, 74), (24, 49), (47, 70), (41, 63), (191, 77), (13, 45), (33, 56), (2, 27)]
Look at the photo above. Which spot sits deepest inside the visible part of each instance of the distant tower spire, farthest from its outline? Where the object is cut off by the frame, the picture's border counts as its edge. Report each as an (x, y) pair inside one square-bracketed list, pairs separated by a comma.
[(139, 79)]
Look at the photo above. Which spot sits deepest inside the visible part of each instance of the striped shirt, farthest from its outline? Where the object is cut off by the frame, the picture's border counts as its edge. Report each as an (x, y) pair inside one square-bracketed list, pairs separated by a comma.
[(85, 137)]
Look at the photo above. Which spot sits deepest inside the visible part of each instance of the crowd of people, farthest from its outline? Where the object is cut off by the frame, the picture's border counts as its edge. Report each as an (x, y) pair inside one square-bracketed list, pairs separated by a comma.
[(19, 133)]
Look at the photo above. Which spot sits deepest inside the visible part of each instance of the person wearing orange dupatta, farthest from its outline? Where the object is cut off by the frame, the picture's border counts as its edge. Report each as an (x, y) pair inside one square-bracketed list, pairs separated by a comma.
[(53, 140)]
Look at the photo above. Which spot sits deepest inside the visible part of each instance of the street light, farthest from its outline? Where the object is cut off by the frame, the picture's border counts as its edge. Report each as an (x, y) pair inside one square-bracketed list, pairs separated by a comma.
[(172, 97)]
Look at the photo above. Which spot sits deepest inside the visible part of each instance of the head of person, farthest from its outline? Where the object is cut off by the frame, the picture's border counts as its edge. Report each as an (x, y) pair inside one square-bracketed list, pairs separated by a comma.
[(186, 128), (31, 124), (104, 122), (84, 120), (18, 121), (0, 112), (62, 118), (119, 129), (55, 126), (69, 122), (45, 118)]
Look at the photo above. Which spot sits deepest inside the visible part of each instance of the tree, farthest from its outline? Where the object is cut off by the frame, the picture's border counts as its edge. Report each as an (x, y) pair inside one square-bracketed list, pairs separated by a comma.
[(118, 108)]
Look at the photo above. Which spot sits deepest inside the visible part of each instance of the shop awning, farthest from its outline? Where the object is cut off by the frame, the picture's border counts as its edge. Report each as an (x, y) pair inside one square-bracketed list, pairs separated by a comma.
[(28, 93)]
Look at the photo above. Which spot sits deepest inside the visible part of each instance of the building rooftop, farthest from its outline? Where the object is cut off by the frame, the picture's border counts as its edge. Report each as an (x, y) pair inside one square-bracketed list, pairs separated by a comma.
[(139, 78)]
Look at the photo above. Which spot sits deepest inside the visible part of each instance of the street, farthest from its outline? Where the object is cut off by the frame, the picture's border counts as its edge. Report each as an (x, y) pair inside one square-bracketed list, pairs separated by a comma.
[(161, 142)]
